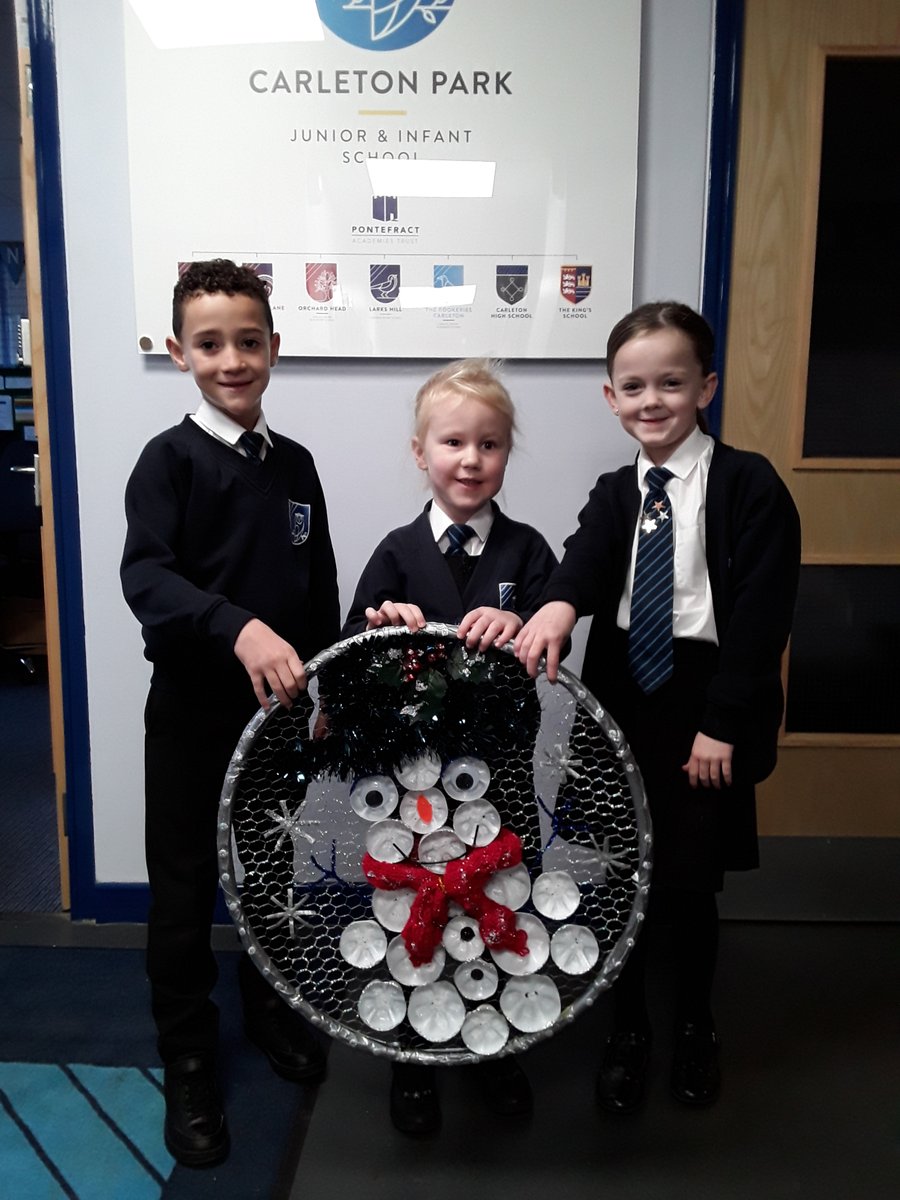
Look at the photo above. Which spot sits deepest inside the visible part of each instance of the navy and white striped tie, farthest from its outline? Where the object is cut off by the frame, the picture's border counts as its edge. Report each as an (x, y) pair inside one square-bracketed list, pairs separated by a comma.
[(458, 535), (252, 444), (650, 630)]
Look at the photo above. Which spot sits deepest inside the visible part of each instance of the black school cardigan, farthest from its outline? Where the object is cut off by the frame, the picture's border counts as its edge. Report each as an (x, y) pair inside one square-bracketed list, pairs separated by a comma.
[(753, 558)]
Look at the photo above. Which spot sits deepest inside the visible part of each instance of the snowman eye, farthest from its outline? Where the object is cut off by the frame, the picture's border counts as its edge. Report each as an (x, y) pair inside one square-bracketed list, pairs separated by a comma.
[(466, 779), (374, 797)]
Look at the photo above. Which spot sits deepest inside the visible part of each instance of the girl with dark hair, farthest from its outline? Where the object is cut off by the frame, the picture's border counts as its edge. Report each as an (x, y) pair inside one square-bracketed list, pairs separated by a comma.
[(688, 560)]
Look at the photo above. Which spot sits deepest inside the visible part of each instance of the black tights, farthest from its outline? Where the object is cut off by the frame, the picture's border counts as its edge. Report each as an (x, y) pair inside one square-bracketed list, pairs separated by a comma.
[(690, 922)]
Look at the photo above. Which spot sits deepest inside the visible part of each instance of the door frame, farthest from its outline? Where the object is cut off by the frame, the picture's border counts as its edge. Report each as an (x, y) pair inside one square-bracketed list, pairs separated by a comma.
[(71, 679)]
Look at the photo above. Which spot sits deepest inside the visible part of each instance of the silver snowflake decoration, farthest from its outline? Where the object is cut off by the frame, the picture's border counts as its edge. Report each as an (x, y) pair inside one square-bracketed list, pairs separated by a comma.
[(291, 913), (557, 758), (287, 824), (609, 860)]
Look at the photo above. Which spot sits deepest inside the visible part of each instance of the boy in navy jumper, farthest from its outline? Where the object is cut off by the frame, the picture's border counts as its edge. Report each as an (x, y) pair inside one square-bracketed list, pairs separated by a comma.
[(228, 566)]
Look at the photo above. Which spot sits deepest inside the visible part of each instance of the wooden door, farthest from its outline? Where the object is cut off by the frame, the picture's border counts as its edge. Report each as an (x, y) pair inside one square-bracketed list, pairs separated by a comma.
[(41, 424), (839, 773)]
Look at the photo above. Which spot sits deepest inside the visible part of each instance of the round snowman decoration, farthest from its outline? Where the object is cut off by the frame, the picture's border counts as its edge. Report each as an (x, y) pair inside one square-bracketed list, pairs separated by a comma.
[(459, 865)]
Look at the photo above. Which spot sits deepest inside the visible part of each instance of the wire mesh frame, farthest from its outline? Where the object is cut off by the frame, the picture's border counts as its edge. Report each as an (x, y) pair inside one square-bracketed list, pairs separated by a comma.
[(624, 867)]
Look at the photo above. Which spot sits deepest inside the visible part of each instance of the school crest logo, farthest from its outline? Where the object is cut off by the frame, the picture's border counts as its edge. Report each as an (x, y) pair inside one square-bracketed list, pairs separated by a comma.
[(512, 283), (446, 275), (265, 272), (507, 596), (383, 24), (321, 281), (384, 208), (299, 517), (575, 283), (384, 281)]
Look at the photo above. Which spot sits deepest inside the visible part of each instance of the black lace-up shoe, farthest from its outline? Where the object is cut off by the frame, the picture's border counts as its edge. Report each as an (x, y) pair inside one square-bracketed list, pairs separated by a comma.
[(620, 1082), (695, 1067), (415, 1107), (281, 1034), (195, 1131)]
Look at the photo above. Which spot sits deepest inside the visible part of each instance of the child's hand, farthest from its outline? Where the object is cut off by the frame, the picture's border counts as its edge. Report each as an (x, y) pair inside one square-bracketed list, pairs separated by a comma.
[(710, 762), (545, 633), (390, 613), (269, 659), (483, 627)]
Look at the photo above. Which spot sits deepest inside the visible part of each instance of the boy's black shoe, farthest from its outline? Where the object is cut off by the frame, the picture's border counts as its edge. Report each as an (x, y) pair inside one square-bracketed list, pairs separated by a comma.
[(620, 1082), (505, 1086), (292, 1050), (415, 1107), (195, 1131), (695, 1067)]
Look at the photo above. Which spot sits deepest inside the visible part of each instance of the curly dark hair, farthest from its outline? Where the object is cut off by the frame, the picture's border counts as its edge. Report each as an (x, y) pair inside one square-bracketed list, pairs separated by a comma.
[(217, 275)]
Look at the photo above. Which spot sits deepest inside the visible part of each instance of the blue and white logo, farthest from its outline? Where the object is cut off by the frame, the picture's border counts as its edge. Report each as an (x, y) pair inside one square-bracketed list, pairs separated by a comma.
[(447, 275), (383, 24), (299, 516)]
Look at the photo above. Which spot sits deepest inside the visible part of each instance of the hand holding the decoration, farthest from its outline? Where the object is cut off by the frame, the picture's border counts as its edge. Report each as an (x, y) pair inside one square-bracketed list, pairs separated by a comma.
[(545, 634), (269, 659), (390, 613), (710, 762), (484, 627)]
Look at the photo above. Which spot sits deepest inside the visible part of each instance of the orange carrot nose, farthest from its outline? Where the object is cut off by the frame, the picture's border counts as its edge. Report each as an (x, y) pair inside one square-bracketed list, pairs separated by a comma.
[(424, 809)]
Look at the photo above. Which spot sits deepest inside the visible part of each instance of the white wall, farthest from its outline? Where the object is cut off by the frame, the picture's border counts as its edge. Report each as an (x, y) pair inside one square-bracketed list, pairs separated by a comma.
[(354, 416)]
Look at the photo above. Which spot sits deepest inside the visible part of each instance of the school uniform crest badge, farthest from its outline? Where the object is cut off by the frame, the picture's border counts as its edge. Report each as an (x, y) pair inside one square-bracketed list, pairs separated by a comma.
[(507, 596), (299, 516)]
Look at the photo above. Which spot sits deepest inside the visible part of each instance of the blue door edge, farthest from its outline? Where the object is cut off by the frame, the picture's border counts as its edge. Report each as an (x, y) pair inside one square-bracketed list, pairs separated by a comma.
[(723, 144), (64, 478)]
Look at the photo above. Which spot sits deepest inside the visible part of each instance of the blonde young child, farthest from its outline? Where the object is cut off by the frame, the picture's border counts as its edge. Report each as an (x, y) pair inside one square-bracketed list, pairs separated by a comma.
[(696, 686), (464, 562)]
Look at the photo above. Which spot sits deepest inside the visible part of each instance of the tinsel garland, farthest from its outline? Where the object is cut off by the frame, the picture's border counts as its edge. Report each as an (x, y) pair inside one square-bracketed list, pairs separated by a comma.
[(463, 881), (391, 699)]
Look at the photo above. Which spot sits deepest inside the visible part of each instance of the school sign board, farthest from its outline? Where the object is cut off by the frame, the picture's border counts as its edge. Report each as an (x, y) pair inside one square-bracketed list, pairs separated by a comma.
[(413, 178)]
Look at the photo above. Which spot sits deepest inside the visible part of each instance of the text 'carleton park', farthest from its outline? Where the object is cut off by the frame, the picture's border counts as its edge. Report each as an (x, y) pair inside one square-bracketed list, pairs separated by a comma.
[(381, 83)]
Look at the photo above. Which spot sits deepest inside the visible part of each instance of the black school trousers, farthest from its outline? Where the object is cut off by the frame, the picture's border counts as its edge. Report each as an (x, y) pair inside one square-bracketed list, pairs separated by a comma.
[(189, 740)]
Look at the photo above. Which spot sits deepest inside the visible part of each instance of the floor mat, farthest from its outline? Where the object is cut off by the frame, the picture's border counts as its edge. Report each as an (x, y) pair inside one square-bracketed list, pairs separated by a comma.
[(81, 1106), (80, 1130)]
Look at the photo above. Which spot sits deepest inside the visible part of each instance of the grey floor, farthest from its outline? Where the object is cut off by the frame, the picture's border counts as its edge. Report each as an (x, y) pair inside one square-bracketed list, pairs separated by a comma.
[(807, 1014), (808, 1019)]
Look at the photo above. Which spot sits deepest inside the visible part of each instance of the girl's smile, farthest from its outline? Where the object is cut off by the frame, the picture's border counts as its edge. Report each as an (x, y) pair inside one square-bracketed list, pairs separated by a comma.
[(464, 451), (657, 388)]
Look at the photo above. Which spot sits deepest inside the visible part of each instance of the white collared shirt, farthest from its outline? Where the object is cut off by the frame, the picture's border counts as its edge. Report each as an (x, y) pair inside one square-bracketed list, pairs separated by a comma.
[(481, 523), (223, 429), (693, 607)]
